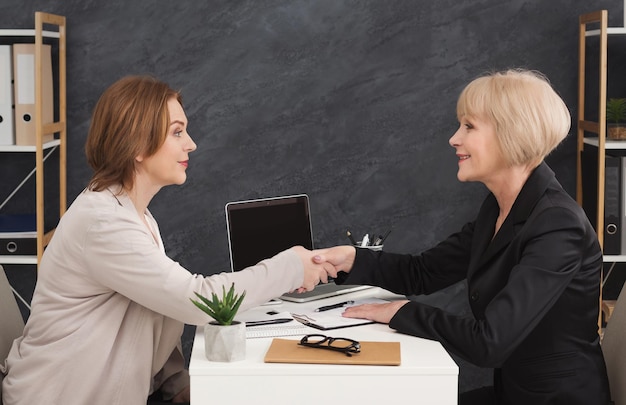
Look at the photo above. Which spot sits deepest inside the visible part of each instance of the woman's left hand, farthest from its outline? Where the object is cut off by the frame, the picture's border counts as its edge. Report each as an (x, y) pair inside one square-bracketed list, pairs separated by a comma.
[(381, 313)]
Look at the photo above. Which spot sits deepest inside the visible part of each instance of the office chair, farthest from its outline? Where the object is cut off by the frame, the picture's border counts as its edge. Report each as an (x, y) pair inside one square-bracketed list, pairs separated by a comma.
[(10, 319), (614, 350)]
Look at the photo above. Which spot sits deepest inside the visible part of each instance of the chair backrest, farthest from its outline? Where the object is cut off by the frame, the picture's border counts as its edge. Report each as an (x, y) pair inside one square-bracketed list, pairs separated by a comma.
[(614, 350), (10, 319)]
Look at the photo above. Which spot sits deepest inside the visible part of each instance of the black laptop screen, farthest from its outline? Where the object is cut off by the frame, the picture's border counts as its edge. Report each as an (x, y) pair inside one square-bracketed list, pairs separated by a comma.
[(259, 229)]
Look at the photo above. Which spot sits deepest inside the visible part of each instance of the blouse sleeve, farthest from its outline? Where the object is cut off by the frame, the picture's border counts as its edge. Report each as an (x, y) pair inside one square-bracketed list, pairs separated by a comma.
[(124, 257)]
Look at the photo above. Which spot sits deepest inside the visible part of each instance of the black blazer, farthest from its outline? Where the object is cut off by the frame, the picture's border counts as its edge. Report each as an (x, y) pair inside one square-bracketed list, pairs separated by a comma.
[(533, 291)]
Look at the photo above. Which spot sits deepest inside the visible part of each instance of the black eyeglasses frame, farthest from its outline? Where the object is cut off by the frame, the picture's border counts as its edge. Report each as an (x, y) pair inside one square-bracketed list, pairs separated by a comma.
[(326, 343)]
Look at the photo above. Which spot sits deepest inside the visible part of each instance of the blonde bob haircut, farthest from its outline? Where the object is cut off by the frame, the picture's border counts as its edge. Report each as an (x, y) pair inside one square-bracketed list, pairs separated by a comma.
[(529, 117), (130, 119)]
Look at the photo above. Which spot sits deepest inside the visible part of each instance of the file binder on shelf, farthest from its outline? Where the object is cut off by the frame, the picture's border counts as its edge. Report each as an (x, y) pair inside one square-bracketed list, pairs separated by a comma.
[(614, 231), (18, 234), (613, 228), (621, 200), (7, 129), (24, 92)]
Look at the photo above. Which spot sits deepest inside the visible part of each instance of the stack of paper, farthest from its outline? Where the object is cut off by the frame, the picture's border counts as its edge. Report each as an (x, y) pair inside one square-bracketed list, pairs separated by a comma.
[(332, 318), (278, 324)]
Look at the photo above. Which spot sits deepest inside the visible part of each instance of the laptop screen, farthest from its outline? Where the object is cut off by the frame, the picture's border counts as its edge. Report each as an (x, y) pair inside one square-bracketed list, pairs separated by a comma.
[(259, 229)]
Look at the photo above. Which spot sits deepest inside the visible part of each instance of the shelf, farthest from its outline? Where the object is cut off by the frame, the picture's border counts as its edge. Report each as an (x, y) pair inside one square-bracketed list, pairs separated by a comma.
[(16, 259), (29, 148), (608, 144), (609, 31), (614, 258), (27, 33)]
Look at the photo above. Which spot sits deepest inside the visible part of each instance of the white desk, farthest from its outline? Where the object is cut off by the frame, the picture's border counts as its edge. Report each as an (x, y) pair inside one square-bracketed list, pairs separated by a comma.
[(427, 375)]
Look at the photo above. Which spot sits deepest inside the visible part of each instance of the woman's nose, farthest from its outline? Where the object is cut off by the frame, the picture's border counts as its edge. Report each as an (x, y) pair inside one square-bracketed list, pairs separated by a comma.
[(191, 145), (454, 139)]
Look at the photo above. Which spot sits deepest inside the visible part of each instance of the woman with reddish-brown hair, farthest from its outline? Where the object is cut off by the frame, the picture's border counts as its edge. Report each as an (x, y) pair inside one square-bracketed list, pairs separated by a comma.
[(109, 306)]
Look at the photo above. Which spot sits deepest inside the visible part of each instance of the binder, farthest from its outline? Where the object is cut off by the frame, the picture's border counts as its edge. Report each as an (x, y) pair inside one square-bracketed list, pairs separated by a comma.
[(24, 92), (19, 245), (7, 129), (18, 223), (622, 204), (372, 353), (18, 234), (614, 210), (613, 228)]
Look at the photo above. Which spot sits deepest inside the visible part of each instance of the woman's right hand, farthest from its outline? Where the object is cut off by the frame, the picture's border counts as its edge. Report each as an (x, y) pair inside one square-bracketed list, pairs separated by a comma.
[(335, 259), (314, 273)]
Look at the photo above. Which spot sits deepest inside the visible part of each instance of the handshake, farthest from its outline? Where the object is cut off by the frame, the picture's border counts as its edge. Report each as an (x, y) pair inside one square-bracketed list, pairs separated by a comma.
[(320, 264), (323, 263)]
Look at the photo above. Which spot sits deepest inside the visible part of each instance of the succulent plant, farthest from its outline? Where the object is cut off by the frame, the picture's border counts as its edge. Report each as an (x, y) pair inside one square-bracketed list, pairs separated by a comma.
[(222, 310)]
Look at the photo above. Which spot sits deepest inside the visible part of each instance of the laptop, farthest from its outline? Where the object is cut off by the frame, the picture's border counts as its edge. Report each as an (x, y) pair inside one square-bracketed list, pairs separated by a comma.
[(259, 229)]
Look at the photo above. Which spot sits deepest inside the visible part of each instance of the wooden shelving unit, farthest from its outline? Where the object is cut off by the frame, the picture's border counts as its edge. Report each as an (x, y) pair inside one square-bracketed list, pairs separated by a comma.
[(595, 24), (41, 150)]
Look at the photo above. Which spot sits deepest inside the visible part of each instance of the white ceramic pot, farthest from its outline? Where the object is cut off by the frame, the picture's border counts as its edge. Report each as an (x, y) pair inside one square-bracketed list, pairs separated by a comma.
[(225, 343)]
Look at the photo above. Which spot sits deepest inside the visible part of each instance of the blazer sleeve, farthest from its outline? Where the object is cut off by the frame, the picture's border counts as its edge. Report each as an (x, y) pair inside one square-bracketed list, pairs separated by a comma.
[(549, 256), (431, 271)]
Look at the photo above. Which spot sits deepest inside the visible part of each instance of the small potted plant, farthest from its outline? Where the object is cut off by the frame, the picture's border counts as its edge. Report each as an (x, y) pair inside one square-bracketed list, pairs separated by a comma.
[(616, 118), (224, 338)]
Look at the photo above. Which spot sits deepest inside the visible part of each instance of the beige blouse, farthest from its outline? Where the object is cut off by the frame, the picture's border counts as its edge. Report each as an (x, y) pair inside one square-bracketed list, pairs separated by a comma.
[(109, 308)]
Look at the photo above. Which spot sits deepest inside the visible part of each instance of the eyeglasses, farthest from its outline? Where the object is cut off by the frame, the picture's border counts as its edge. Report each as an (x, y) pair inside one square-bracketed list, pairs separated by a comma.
[(343, 345)]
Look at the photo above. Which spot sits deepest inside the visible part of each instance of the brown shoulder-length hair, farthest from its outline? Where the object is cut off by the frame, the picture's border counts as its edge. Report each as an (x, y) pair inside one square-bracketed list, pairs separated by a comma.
[(130, 119)]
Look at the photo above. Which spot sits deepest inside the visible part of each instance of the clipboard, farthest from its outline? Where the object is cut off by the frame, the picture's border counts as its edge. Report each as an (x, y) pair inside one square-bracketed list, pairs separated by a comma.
[(332, 319), (372, 353), (329, 323)]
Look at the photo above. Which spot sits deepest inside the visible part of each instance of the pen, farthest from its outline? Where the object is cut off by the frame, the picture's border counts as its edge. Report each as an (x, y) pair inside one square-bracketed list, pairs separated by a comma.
[(329, 307), (268, 322), (382, 240), (365, 241), (351, 238)]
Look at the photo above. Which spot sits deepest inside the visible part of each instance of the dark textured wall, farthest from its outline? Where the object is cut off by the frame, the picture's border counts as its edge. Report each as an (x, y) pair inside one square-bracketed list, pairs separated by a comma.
[(351, 102)]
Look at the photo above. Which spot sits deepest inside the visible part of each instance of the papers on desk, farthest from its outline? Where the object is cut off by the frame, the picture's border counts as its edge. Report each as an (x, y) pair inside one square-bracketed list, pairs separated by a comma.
[(300, 323), (269, 329), (332, 318)]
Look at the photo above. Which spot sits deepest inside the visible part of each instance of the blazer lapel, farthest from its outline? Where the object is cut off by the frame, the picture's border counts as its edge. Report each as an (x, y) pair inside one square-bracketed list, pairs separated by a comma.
[(484, 247)]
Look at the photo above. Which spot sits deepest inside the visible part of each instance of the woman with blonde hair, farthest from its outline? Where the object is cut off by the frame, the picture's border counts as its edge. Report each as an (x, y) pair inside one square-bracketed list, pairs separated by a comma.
[(530, 257), (109, 305)]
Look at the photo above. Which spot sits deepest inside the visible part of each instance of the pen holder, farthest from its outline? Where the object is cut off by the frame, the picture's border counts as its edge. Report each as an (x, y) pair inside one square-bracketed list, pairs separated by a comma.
[(376, 248)]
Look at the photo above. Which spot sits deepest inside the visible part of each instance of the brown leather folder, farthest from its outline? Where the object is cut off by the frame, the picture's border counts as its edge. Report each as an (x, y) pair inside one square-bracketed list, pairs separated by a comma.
[(372, 353)]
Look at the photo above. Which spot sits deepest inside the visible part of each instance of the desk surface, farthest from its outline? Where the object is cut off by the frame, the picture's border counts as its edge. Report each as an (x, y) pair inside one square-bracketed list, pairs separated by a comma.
[(427, 371)]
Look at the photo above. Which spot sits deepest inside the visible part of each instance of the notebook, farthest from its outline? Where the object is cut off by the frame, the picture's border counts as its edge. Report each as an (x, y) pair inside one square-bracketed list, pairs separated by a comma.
[(261, 228), (372, 353)]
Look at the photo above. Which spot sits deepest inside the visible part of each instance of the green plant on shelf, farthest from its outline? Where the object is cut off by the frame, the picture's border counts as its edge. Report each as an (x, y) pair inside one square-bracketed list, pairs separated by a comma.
[(616, 110)]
